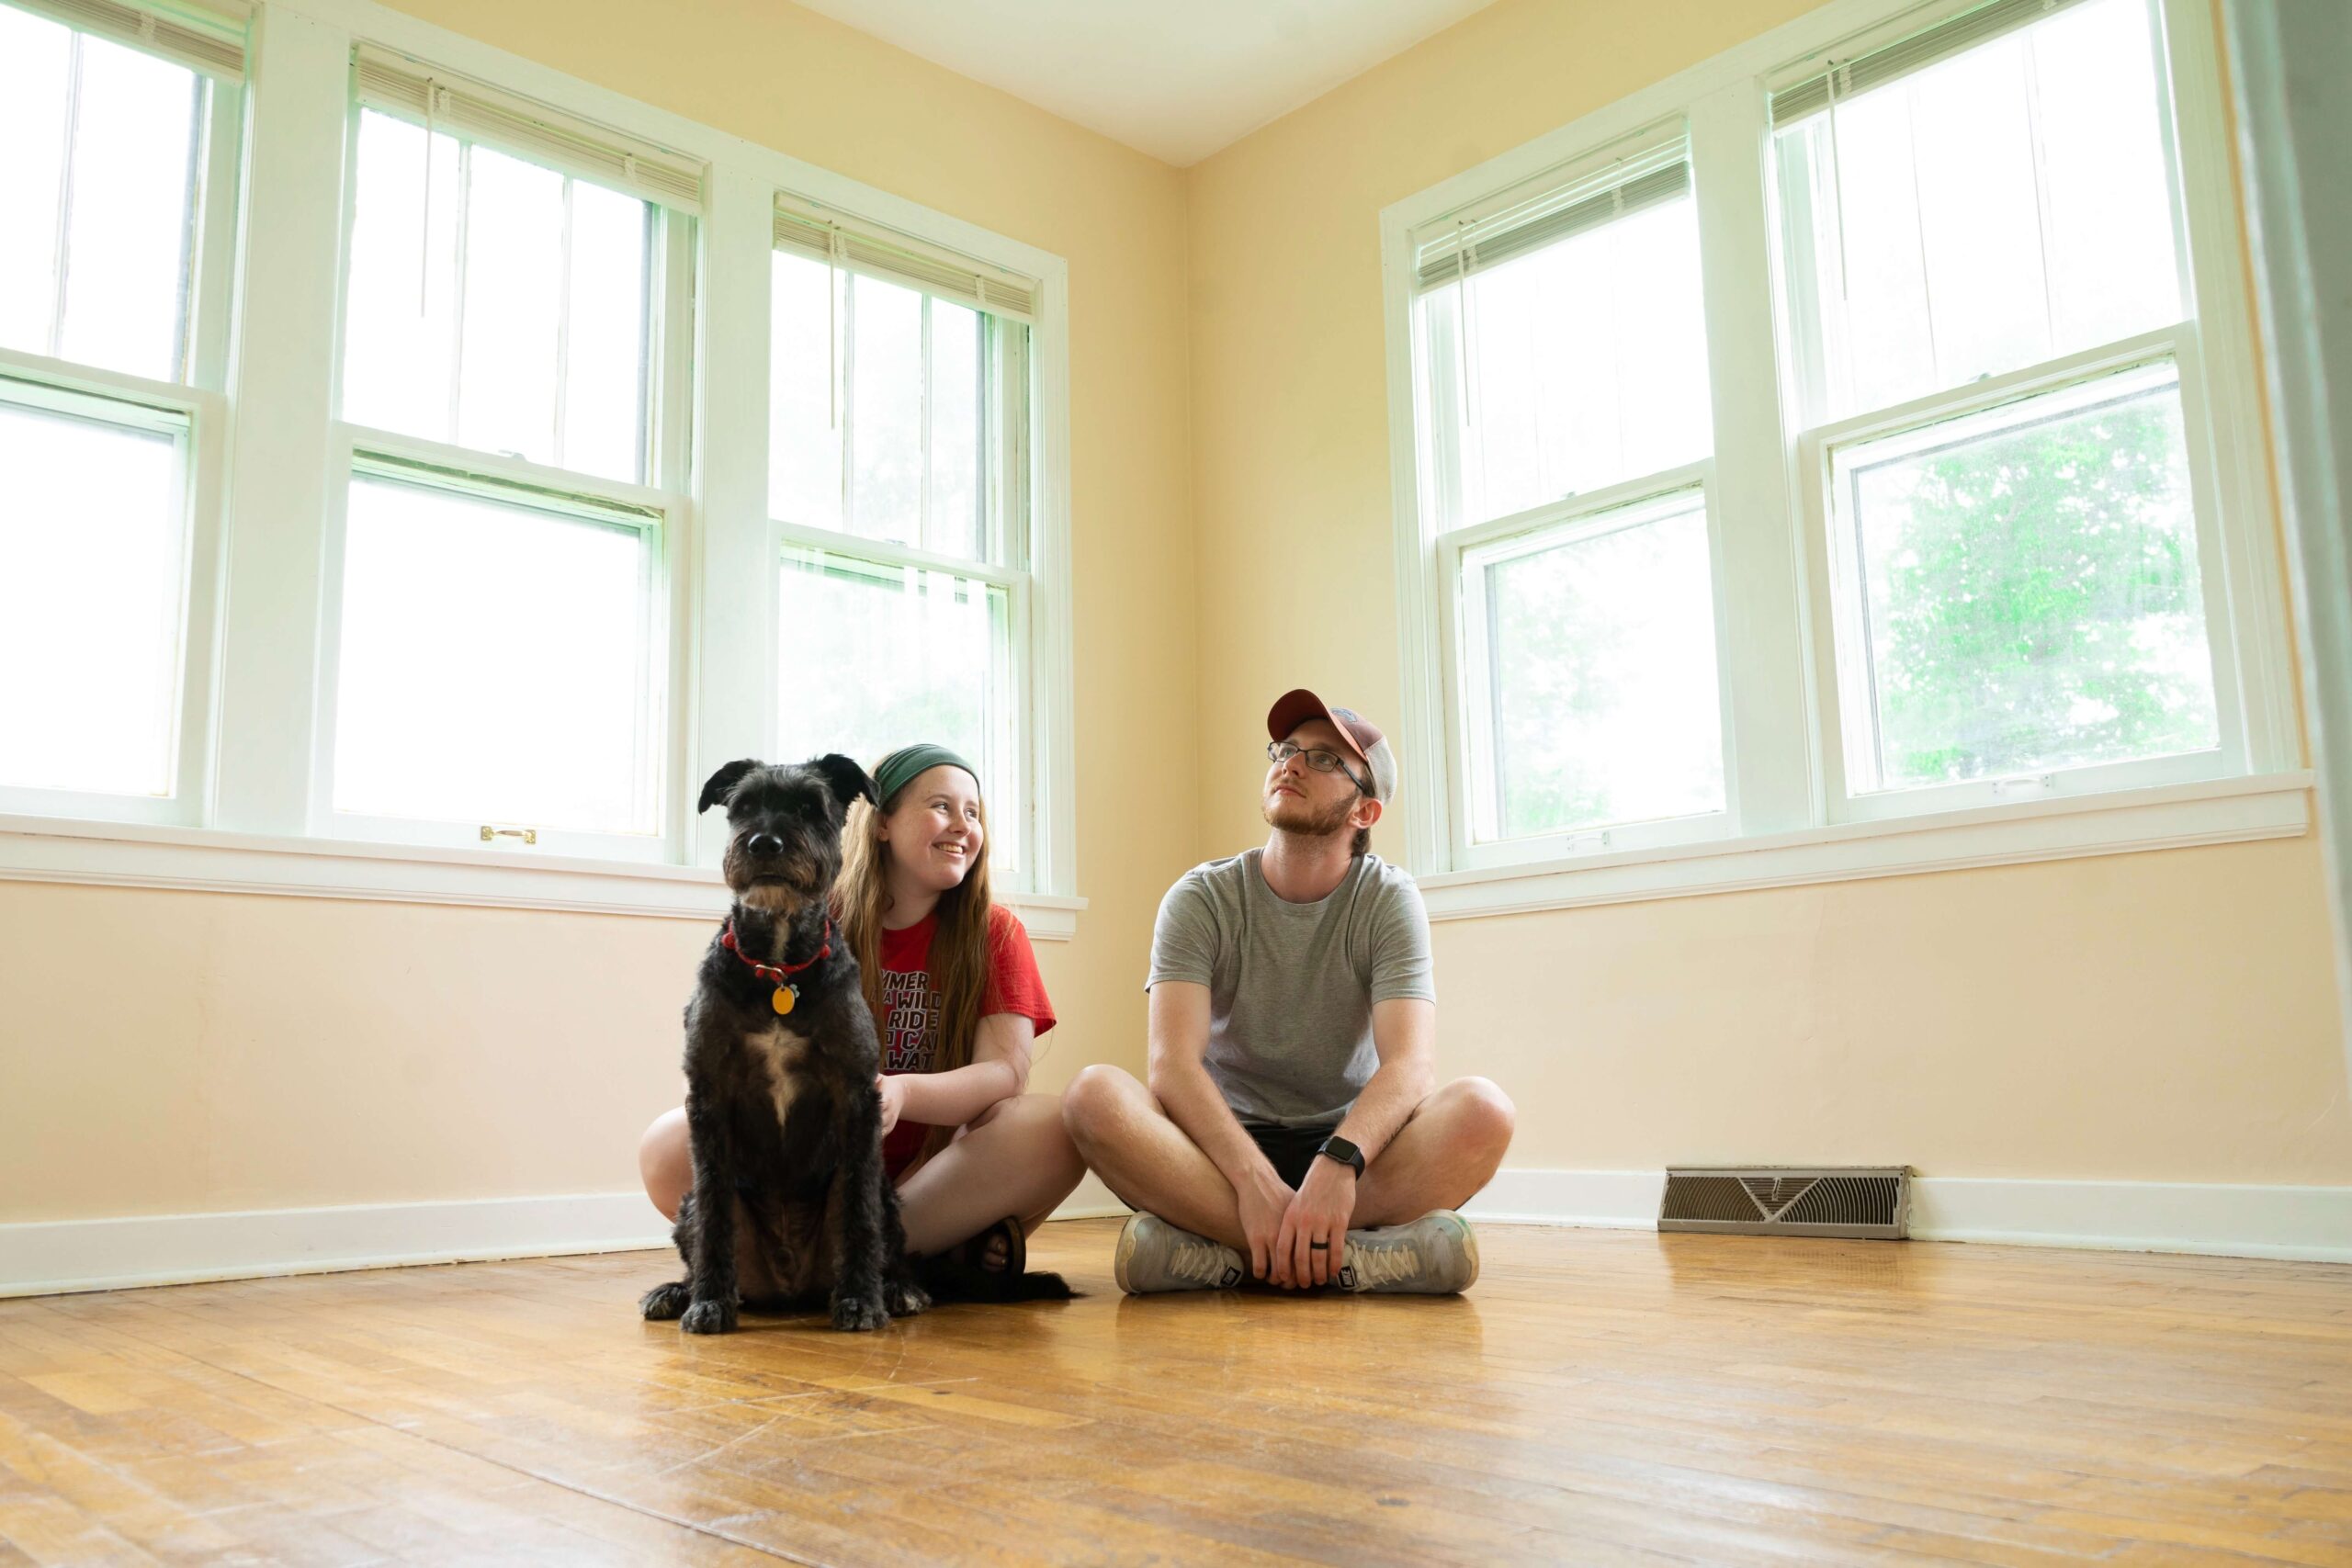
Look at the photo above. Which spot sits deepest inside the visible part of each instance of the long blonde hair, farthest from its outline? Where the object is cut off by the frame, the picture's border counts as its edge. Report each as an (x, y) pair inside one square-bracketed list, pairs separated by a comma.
[(959, 963)]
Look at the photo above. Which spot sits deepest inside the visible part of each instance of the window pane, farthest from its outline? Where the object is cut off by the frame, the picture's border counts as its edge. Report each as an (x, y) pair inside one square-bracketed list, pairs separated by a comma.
[(2003, 207), (92, 579), (35, 78), (604, 348), (100, 188), (882, 657), (1593, 669), (497, 664), (886, 411), (804, 424), (534, 341), (401, 342), (511, 339), (953, 526), (1586, 366), (2029, 581)]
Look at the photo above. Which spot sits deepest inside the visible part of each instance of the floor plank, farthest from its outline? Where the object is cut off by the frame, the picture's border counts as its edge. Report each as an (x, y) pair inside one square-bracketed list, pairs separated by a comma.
[(1600, 1397)]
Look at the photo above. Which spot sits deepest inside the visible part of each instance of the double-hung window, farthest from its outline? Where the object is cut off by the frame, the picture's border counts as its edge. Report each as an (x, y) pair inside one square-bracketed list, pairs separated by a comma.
[(506, 573), (1860, 426), (899, 479), (1562, 401), (116, 216), (1986, 301)]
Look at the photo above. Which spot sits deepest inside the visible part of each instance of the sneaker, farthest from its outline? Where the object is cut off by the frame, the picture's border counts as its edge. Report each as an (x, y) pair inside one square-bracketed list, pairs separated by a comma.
[(1437, 1255), (1155, 1256)]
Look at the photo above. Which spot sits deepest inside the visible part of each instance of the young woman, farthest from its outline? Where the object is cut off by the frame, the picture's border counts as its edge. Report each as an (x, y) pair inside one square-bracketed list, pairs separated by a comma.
[(978, 1162)]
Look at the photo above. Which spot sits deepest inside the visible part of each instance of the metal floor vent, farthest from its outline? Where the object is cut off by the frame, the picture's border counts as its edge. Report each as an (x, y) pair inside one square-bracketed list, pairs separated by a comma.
[(1868, 1201)]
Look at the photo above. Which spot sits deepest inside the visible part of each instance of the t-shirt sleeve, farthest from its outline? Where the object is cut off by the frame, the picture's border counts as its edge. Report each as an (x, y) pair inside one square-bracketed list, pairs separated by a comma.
[(1183, 939), (1014, 985), (1401, 965)]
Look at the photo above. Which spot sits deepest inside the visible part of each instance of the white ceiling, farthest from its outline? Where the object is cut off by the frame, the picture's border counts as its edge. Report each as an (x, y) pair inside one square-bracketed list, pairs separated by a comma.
[(1177, 79)]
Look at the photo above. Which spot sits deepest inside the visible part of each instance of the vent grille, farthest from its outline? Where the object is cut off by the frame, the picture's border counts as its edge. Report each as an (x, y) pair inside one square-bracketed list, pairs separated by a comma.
[(1871, 1203)]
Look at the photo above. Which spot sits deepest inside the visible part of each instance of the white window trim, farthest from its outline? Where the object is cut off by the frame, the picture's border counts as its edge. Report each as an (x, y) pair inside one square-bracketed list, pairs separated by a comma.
[(127, 854), (257, 786), (1781, 736)]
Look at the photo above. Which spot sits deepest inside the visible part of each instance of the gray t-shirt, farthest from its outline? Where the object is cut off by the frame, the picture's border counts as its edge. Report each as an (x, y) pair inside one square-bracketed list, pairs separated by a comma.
[(1292, 987)]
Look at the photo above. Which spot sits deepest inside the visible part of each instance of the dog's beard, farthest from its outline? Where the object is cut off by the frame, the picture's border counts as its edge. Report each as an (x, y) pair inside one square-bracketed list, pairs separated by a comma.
[(773, 898)]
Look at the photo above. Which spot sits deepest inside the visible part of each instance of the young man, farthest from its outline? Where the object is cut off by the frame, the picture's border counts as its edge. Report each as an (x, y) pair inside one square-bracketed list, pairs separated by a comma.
[(1293, 1131)]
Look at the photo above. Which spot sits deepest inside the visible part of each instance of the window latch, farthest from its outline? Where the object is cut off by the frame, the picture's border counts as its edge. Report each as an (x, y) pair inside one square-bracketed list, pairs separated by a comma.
[(528, 835), (1587, 843), (2032, 783)]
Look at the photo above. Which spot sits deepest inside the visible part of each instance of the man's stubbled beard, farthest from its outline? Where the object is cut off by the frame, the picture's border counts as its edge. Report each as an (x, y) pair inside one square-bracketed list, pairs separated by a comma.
[(1322, 824)]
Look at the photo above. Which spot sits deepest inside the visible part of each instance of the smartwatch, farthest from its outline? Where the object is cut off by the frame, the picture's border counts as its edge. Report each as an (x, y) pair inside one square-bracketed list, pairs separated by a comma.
[(1346, 1152)]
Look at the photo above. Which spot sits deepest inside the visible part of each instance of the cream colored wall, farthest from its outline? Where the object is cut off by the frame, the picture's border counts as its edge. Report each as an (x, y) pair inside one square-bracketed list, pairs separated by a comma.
[(2167, 1016), (168, 1052)]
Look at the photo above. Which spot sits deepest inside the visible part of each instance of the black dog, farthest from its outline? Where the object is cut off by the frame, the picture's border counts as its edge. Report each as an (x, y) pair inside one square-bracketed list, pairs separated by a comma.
[(790, 1198)]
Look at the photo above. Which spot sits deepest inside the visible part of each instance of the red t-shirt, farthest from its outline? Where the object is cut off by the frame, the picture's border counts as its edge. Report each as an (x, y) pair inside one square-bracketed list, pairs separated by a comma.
[(911, 1007)]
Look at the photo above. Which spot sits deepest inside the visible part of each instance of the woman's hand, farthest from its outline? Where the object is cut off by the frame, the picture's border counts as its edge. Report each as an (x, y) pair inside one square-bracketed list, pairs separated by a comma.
[(894, 1098)]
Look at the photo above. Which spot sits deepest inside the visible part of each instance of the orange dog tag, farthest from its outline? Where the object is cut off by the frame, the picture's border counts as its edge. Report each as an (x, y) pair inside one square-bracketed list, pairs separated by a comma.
[(786, 997)]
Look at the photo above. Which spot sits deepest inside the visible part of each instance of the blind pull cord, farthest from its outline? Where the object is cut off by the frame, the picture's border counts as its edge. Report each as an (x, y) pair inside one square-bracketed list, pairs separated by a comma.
[(425, 242)]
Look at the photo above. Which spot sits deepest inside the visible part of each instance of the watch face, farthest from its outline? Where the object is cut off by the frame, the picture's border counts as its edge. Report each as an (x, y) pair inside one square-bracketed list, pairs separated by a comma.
[(1346, 1152)]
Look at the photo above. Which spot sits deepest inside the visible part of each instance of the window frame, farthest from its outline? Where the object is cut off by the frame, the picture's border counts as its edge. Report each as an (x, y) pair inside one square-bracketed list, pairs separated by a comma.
[(1784, 758), (1566, 521), (278, 372), (358, 449), (1009, 420), (195, 408)]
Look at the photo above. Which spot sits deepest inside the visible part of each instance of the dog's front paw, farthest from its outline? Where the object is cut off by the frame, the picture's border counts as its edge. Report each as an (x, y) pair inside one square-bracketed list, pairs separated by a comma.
[(855, 1314), (664, 1302), (710, 1318), (905, 1298)]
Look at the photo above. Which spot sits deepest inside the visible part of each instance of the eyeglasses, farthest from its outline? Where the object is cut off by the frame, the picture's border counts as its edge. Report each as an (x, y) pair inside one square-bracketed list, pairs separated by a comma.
[(1321, 761)]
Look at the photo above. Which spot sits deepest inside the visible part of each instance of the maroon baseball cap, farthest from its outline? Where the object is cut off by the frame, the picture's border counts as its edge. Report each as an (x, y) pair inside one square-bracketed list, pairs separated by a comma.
[(1357, 733)]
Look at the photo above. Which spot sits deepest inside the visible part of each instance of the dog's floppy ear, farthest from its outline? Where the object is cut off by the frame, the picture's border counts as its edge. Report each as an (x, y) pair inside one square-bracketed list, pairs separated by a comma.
[(844, 778), (727, 778)]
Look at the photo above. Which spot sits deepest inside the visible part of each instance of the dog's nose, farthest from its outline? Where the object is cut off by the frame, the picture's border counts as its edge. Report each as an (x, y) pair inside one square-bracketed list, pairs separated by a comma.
[(764, 844)]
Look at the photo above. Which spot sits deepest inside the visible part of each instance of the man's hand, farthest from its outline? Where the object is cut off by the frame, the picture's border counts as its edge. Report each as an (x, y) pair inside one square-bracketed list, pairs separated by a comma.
[(1326, 1200), (894, 1098), (1265, 1203)]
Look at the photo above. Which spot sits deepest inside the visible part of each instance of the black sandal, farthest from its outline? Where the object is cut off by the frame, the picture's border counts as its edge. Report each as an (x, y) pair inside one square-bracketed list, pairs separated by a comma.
[(974, 1253)]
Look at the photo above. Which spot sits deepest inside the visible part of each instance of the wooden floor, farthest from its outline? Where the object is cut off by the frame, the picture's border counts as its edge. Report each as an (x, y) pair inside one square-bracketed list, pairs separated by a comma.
[(1600, 1397)]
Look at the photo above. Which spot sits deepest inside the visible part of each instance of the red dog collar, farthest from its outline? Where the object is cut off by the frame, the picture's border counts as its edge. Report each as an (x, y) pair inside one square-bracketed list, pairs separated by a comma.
[(788, 995)]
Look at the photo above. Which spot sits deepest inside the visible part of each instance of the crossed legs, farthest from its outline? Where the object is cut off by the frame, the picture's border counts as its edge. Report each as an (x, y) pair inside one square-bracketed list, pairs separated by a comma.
[(1013, 1158), (1445, 1152)]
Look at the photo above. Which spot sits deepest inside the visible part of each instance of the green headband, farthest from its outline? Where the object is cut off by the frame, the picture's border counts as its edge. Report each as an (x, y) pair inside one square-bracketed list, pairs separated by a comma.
[(899, 769)]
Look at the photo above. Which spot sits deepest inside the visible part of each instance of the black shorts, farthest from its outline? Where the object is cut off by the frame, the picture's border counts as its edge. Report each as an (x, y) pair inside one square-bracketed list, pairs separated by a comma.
[(1291, 1150)]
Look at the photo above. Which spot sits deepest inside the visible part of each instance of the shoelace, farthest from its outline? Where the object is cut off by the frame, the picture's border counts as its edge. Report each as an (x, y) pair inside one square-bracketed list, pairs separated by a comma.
[(1195, 1258), (1396, 1264)]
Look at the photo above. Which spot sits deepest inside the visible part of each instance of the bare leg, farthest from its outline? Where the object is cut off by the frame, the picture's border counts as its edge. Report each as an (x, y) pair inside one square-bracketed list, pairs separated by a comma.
[(1013, 1160), (1438, 1159), (665, 1159), (1447, 1150), (1126, 1134)]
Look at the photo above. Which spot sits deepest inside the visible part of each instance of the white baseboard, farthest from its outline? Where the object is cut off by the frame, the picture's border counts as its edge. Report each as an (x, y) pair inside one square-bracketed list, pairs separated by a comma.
[(50, 1257), (2313, 1224), (2310, 1223), (55, 1257)]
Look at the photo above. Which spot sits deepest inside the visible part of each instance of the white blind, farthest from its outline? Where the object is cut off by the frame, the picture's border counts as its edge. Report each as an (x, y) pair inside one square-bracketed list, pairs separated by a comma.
[(1498, 230), (203, 38), (806, 229), (1877, 67), (397, 84)]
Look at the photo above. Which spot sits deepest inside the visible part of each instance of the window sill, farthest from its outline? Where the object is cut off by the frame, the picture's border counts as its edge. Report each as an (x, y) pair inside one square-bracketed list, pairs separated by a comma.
[(122, 854), (2275, 806)]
